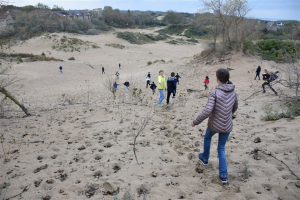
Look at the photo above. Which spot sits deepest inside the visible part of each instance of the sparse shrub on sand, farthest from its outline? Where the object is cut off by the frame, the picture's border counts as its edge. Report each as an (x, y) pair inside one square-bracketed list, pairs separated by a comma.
[(292, 110), (192, 40), (93, 32), (72, 58), (19, 59), (172, 42), (149, 63), (67, 44), (134, 38), (117, 46)]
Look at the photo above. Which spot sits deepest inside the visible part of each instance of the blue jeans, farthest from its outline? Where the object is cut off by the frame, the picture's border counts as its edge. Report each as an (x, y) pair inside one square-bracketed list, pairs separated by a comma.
[(153, 91), (257, 75), (221, 150), (162, 95), (126, 88)]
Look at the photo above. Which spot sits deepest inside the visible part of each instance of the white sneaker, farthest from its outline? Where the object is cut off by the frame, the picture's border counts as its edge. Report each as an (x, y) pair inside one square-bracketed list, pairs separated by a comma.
[(160, 105)]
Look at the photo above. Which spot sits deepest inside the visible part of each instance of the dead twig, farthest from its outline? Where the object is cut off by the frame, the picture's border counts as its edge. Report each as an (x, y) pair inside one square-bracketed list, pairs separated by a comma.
[(270, 154)]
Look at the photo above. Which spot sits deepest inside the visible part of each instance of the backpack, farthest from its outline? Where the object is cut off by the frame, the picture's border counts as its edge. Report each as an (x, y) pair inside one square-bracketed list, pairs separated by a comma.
[(273, 77)]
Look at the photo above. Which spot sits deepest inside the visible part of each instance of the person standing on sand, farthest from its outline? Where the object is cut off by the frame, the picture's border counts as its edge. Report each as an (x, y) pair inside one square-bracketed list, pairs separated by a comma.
[(257, 73), (171, 87), (149, 75), (126, 85), (268, 77), (161, 87), (222, 103), (119, 65), (103, 72), (153, 87), (148, 81), (60, 69), (206, 82), (117, 74), (177, 78)]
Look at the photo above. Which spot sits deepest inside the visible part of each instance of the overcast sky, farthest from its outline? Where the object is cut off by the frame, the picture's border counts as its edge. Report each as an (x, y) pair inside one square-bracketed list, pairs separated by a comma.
[(263, 9)]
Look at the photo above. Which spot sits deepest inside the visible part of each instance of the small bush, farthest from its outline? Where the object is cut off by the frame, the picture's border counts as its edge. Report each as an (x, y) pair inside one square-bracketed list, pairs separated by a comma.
[(118, 46), (19, 59), (134, 38), (149, 63), (72, 58), (93, 32), (192, 40), (172, 42), (43, 54), (292, 110)]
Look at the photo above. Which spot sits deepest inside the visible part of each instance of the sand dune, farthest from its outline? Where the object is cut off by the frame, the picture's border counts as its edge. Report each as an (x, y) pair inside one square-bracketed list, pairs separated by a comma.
[(85, 149)]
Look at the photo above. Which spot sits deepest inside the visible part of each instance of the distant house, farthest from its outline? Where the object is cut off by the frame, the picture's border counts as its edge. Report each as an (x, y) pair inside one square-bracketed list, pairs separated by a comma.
[(41, 11), (79, 15), (279, 24), (8, 17), (60, 14), (97, 12)]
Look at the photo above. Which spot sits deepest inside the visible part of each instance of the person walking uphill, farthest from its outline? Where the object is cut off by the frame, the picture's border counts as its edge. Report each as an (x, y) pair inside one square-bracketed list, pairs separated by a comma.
[(161, 87), (222, 103), (177, 78), (103, 71), (171, 87), (257, 73)]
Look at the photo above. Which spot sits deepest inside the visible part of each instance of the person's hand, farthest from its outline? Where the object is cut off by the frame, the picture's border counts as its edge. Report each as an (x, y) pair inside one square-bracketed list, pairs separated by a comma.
[(165, 89), (192, 124)]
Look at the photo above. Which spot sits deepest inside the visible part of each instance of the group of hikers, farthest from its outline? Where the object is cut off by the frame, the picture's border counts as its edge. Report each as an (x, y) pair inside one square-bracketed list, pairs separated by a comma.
[(220, 108)]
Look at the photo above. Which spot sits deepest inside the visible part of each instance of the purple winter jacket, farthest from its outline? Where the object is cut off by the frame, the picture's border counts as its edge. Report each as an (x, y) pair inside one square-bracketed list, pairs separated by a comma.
[(222, 103)]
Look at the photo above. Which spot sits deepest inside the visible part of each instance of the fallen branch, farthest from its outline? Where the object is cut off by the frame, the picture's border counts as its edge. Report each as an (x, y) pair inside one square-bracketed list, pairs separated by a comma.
[(270, 154), (24, 190)]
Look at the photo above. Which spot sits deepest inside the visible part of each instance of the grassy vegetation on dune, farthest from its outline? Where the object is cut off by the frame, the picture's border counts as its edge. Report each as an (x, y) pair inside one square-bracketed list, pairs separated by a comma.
[(31, 57), (134, 38)]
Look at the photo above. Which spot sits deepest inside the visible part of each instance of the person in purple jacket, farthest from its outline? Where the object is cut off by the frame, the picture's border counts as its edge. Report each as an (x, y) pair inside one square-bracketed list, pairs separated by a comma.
[(222, 103)]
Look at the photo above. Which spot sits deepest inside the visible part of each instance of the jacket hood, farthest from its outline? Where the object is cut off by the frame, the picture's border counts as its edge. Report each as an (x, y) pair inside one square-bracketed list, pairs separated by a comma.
[(226, 87)]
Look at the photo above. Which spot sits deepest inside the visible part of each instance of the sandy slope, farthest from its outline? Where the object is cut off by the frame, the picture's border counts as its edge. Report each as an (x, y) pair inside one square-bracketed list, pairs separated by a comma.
[(168, 146)]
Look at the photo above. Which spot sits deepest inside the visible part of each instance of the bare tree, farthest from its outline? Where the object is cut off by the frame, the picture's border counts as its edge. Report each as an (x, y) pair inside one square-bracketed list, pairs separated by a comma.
[(8, 77), (229, 14), (109, 85)]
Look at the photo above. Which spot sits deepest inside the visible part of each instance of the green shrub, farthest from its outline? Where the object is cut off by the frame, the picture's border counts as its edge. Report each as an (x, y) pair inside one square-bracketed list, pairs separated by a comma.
[(43, 54), (292, 110), (19, 59), (172, 42), (277, 50), (118, 46), (149, 63), (192, 40), (72, 58), (134, 38)]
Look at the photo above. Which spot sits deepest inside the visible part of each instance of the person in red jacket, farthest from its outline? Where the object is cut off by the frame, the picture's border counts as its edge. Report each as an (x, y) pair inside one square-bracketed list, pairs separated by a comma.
[(206, 82)]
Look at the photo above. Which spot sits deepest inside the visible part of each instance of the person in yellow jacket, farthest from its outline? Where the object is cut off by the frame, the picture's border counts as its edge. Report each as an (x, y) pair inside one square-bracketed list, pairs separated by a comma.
[(161, 87)]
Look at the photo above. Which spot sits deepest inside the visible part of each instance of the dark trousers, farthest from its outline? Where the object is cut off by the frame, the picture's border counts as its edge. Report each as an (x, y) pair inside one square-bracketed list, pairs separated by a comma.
[(257, 75), (205, 86), (266, 83), (168, 96), (148, 83)]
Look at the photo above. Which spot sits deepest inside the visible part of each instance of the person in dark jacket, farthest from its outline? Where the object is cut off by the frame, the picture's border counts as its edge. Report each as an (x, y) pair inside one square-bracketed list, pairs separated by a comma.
[(177, 78), (103, 72), (171, 87), (153, 87), (257, 73), (126, 85), (115, 86), (60, 69), (221, 105)]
